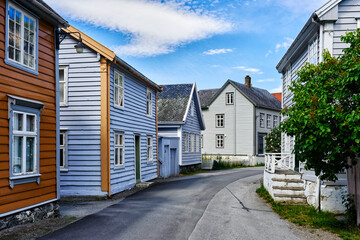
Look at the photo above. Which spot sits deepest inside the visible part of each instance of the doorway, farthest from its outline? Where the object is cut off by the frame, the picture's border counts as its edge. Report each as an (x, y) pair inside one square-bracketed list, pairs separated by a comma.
[(137, 159)]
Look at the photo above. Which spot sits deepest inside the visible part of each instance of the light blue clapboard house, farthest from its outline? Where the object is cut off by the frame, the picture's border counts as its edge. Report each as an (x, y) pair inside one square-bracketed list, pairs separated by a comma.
[(180, 123), (108, 123)]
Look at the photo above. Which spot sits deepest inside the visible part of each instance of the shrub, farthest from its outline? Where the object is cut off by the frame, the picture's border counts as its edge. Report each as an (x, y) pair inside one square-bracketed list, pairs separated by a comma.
[(273, 141)]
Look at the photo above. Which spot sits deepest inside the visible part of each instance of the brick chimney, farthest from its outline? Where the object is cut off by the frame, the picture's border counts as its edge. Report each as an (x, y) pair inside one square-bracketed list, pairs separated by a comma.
[(248, 81)]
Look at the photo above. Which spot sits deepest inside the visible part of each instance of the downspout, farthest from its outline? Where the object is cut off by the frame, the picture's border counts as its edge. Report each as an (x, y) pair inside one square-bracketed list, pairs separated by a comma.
[(235, 120), (57, 106), (254, 133), (108, 123), (157, 135)]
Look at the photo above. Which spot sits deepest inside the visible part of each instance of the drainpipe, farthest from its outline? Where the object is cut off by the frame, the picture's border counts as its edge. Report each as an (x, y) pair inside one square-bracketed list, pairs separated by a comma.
[(235, 119)]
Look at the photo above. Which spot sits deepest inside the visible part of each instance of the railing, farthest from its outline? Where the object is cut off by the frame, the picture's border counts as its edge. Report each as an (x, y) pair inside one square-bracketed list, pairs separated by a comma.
[(284, 161)]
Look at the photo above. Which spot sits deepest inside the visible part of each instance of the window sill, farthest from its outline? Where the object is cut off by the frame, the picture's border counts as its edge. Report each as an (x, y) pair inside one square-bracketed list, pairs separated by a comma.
[(119, 107), (64, 170), (24, 179), (150, 162), (117, 167), (21, 67)]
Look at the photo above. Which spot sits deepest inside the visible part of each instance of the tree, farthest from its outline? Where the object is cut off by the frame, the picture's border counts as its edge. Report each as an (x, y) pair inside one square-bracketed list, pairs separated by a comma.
[(325, 116)]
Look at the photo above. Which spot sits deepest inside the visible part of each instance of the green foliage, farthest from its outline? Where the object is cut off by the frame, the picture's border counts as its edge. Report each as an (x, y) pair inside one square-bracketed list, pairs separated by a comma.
[(309, 217), (350, 212), (325, 119), (273, 141), (219, 165)]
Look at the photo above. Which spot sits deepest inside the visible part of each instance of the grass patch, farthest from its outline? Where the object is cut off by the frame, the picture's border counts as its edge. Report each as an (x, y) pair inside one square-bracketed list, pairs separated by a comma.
[(221, 165), (308, 216)]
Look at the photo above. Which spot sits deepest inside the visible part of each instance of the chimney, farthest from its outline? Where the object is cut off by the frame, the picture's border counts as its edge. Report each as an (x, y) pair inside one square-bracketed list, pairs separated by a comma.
[(248, 81)]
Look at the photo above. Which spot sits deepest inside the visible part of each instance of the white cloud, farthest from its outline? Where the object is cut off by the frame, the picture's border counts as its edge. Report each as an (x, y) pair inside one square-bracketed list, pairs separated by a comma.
[(266, 80), (300, 6), (249, 70), (217, 51), (276, 90), (153, 27), (268, 53), (286, 44)]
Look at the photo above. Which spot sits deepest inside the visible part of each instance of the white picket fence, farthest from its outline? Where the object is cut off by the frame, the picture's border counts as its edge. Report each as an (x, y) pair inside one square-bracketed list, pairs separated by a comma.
[(282, 161)]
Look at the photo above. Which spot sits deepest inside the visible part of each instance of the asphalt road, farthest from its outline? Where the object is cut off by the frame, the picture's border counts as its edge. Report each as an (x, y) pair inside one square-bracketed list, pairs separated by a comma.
[(169, 210)]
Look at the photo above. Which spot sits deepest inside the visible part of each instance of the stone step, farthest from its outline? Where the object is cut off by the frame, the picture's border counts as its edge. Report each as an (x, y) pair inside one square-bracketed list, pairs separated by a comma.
[(280, 177), (289, 192), (289, 188), (287, 184), (290, 199), (297, 180)]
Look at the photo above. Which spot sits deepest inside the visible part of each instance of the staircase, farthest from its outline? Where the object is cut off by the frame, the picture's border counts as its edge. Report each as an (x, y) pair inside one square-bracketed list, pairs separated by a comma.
[(287, 187)]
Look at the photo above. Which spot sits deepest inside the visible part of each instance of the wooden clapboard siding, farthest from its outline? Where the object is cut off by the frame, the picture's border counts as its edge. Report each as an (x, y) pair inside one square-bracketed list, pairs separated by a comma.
[(41, 88), (348, 12), (191, 126), (82, 120), (132, 119)]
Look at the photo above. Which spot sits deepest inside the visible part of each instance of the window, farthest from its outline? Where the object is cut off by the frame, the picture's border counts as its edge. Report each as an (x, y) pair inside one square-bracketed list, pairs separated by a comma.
[(220, 120), (202, 141), (21, 39), (229, 98), (186, 142), (197, 143), (148, 102), (118, 149), (63, 83), (268, 121), (24, 122), (63, 155), (261, 145), (313, 51), (262, 120), (288, 78), (192, 142), (219, 140), (275, 123), (118, 89), (149, 149)]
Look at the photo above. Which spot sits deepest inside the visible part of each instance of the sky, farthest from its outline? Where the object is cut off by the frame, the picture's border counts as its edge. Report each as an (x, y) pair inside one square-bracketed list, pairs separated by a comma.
[(186, 41)]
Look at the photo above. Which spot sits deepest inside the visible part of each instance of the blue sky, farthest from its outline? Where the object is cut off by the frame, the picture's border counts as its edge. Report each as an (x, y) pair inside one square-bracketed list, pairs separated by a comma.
[(185, 41)]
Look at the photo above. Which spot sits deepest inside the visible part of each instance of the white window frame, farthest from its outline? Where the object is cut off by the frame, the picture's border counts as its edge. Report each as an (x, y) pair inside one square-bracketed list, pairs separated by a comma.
[(25, 134), (288, 77), (262, 120), (229, 97), (220, 120), (22, 38), (63, 147), (197, 143), (117, 89), (66, 83), (268, 120), (220, 140), (313, 50), (192, 142), (148, 102), (202, 141), (119, 147), (186, 142), (150, 150)]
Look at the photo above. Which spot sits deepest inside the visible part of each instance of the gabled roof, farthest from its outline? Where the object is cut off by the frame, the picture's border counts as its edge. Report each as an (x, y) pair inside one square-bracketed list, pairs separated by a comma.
[(174, 102), (257, 96), (109, 55), (206, 96), (307, 32)]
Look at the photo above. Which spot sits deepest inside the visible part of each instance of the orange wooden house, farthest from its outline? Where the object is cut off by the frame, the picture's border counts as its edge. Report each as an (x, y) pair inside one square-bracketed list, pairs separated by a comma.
[(28, 109)]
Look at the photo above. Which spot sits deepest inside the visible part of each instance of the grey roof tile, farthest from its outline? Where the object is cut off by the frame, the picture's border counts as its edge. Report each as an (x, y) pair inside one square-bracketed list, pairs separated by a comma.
[(206, 96)]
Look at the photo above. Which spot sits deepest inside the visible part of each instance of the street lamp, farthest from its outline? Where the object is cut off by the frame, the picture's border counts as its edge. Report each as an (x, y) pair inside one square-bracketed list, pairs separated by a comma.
[(61, 35)]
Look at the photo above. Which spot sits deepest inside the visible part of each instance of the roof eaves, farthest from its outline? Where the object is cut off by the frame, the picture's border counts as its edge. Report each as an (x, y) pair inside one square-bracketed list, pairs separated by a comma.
[(189, 102), (326, 7), (138, 74)]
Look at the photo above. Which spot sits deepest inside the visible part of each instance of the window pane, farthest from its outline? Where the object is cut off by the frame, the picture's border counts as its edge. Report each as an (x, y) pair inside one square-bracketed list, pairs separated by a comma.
[(61, 75), (121, 139), (61, 85), (17, 154), (30, 123), (121, 81), (18, 17), (116, 156), (116, 96), (17, 55), (121, 98), (121, 155), (18, 122), (26, 22), (11, 13), (11, 26), (32, 25), (62, 139), (30, 154), (26, 59), (11, 53), (62, 157)]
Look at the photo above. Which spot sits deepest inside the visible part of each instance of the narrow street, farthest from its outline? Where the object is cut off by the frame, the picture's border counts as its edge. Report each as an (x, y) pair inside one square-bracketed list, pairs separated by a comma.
[(215, 205)]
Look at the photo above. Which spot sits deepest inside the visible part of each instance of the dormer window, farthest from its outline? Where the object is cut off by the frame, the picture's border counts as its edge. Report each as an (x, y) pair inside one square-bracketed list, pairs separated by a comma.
[(229, 98)]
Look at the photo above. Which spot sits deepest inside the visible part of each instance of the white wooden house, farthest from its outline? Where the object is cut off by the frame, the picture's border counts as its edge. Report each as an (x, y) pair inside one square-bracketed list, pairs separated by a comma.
[(237, 117), (322, 31)]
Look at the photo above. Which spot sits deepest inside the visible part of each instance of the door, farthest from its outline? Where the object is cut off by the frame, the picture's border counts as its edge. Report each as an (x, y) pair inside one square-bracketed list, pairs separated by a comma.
[(172, 161), (137, 159)]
